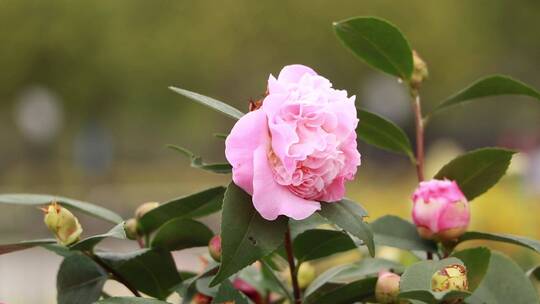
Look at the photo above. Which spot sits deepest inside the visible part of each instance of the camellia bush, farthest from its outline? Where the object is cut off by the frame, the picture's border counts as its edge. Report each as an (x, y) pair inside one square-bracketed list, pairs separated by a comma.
[(290, 157)]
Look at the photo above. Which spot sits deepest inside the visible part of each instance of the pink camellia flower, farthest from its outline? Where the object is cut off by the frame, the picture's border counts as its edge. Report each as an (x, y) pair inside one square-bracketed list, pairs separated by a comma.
[(440, 210), (298, 148)]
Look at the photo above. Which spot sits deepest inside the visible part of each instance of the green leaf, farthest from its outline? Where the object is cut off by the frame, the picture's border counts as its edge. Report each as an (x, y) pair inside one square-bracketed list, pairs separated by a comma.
[(89, 243), (312, 222), (318, 243), (534, 273), (476, 261), (432, 297), (355, 291), (382, 133), (197, 161), (505, 283), (44, 199), (418, 275), (7, 248), (181, 233), (79, 280), (192, 206), (489, 86), (212, 103), (377, 42), (349, 216), (150, 271), (478, 170), (130, 300), (393, 231), (227, 293), (246, 236), (344, 274), (500, 237)]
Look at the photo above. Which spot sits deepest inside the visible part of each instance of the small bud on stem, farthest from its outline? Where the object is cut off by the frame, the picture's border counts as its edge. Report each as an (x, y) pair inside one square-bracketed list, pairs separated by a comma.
[(63, 224)]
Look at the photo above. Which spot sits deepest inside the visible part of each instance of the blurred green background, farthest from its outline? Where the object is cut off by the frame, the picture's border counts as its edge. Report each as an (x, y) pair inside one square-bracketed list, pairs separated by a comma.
[(85, 111)]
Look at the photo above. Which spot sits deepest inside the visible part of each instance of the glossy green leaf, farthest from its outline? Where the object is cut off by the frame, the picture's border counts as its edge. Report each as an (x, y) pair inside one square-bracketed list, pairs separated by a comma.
[(494, 85), (504, 282), (227, 293), (197, 161), (477, 262), (89, 243), (478, 170), (500, 237), (212, 103), (44, 199), (377, 42), (343, 274), (382, 133), (12, 247), (181, 233), (79, 280), (314, 221), (246, 236), (319, 243), (394, 231), (191, 206), (349, 216), (417, 278), (431, 297), (130, 300), (352, 292), (152, 272)]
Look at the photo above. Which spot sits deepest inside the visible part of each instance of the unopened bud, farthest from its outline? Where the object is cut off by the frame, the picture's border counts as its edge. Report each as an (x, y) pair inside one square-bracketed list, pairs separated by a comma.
[(440, 210), (420, 71), (247, 289), (63, 224), (387, 288), (130, 227), (451, 277), (200, 298), (214, 248), (306, 274), (145, 208)]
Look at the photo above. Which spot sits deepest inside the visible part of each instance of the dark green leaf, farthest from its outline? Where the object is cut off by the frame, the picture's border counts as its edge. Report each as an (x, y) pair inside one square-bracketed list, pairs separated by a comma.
[(379, 43), (534, 273), (431, 297), (396, 232), (197, 161), (273, 282), (500, 237), (349, 216), (246, 236), (478, 170), (418, 275), (7, 248), (476, 261), (203, 286), (44, 199), (130, 300), (89, 243), (382, 133), (490, 86), (79, 280), (312, 222), (212, 103), (505, 283), (192, 206), (355, 291), (150, 271), (181, 233), (319, 243), (227, 293), (343, 274)]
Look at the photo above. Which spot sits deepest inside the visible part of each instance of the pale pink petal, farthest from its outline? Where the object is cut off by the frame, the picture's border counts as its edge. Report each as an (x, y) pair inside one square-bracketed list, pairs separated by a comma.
[(271, 199), (247, 134), (293, 73), (454, 215)]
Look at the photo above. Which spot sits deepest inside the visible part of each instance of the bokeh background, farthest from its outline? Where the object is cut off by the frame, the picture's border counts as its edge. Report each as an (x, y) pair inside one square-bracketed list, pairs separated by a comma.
[(85, 111)]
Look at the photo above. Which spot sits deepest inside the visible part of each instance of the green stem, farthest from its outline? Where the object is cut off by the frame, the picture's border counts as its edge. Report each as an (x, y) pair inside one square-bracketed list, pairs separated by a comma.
[(292, 267)]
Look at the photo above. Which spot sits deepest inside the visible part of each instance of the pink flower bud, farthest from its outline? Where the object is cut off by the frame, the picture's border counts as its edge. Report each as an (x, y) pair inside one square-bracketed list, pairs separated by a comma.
[(248, 290), (214, 248), (200, 298), (387, 288), (440, 210)]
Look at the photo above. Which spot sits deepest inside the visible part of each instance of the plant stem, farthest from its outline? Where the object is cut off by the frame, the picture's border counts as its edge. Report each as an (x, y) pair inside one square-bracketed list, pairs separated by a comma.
[(290, 258), (115, 275)]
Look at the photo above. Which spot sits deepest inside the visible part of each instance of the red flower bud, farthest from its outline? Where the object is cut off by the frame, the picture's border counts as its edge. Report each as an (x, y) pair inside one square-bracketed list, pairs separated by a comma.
[(214, 248)]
